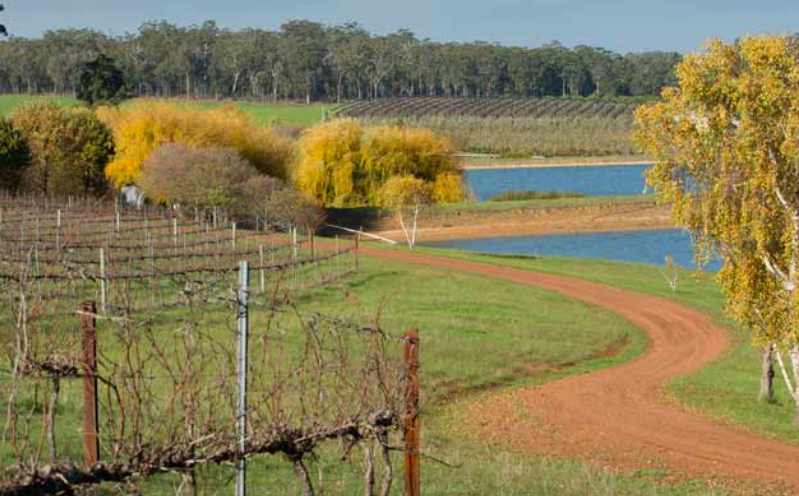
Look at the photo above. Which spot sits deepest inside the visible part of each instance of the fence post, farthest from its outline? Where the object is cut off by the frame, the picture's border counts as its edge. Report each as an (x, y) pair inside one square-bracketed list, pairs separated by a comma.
[(357, 249), (244, 285), (91, 430), (233, 236), (262, 271), (103, 282), (411, 427)]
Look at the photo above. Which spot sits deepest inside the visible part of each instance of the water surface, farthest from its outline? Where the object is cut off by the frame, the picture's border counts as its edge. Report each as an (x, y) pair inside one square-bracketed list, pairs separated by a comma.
[(608, 180), (650, 247)]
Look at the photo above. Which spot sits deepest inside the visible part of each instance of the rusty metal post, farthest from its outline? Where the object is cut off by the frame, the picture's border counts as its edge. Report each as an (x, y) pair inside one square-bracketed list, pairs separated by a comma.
[(412, 428), (91, 429)]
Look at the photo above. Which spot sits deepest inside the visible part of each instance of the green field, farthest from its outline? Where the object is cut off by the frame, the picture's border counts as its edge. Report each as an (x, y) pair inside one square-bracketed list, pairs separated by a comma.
[(299, 115), (9, 103)]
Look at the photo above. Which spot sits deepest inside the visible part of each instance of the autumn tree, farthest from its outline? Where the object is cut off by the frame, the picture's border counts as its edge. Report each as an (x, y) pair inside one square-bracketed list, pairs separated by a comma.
[(143, 127), (406, 196), (343, 164), (726, 147), (68, 147)]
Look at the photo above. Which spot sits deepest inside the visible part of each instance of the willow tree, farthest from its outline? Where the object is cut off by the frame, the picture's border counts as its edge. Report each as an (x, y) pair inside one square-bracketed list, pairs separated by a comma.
[(726, 146), (344, 164)]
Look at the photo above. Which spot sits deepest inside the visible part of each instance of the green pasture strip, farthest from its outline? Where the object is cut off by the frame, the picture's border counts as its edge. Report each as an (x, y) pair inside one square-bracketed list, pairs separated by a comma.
[(264, 113), (9, 103)]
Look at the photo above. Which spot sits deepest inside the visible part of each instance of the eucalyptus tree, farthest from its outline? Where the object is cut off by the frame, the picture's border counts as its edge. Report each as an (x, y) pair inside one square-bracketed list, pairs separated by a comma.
[(305, 50), (312, 61)]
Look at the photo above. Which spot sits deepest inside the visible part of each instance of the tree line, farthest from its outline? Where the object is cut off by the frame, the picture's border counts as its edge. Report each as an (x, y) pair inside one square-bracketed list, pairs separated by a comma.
[(311, 61)]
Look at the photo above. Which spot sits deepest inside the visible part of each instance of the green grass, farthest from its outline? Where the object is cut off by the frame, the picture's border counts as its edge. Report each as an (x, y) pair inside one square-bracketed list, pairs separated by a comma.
[(298, 115), (499, 206), (523, 195), (9, 103)]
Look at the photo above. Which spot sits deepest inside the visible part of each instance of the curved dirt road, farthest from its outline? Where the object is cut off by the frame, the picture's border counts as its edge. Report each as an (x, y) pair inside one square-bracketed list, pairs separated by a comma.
[(618, 416)]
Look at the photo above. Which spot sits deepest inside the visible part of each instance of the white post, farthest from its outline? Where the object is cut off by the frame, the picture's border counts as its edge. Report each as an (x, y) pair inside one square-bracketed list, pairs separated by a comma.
[(294, 243), (233, 236), (103, 282), (241, 469), (263, 270), (175, 230)]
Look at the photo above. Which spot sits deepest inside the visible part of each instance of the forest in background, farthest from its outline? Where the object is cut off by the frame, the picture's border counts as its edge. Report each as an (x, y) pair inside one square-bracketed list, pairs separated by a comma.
[(305, 60)]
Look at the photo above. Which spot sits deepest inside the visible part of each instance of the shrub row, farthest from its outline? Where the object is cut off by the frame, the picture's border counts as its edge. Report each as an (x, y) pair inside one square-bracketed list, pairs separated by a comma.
[(203, 159)]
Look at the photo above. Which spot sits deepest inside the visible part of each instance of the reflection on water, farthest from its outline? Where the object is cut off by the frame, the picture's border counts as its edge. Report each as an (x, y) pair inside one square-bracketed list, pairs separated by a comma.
[(591, 181), (650, 247)]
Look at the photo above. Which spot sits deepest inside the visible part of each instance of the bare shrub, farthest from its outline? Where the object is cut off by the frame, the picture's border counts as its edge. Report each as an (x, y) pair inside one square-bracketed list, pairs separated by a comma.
[(280, 205), (201, 177)]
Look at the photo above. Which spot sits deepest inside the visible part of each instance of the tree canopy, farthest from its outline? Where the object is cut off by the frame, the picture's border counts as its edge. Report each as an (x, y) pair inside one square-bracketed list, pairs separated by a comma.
[(311, 61), (726, 146), (101, 82), (344, 164), (144, 126), (68, 147), (14, 156)]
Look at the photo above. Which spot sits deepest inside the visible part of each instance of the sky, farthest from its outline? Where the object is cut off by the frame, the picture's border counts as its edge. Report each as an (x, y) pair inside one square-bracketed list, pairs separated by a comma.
[(619, 25)]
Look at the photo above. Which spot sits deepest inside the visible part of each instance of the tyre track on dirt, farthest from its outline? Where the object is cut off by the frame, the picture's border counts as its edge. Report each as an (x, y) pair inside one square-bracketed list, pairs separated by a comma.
[(618, 415)]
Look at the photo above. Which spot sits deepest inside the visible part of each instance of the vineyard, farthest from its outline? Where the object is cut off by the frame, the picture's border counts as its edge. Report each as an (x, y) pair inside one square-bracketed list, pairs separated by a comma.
[(168, 352), (531, 108), (512, 127)]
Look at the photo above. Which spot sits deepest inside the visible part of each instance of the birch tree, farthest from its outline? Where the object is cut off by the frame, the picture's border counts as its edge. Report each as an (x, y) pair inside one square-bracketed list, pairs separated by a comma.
[(726, 146), (406, 196)]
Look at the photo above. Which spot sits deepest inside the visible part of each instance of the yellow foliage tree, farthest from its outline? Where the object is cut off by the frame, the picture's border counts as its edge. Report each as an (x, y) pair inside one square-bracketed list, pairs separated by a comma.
[(406, 196), (144, 126), (342, 164), (726, 146)]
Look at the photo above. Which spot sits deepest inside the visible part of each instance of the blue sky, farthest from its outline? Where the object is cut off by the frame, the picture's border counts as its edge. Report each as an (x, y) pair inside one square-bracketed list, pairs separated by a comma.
[(621, 25)]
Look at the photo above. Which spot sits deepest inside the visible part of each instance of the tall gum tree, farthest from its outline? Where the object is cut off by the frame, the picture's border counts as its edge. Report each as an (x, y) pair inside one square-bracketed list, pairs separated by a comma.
[(726, 147)]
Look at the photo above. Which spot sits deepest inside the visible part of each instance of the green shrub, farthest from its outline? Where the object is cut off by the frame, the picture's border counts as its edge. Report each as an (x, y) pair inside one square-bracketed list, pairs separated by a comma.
[(69, 148), (14, 156)]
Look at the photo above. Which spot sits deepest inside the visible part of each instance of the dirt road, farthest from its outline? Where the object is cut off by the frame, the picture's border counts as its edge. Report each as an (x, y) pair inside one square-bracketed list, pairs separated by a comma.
[(618, 416)]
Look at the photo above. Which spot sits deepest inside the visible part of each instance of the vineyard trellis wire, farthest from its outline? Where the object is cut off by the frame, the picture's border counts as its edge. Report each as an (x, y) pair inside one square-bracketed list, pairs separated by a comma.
[(165, 317)]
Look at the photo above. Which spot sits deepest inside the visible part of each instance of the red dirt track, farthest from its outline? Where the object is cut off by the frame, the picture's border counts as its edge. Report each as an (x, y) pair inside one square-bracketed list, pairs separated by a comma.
[(618, 416)]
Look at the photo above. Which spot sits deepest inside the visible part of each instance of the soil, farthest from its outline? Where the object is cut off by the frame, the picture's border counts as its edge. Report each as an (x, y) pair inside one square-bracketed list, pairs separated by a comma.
[(595, 218), (618, 417)]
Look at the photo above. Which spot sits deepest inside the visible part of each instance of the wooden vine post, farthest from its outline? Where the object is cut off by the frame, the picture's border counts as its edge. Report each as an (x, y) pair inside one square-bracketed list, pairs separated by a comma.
[(91, 429), (412, 428)]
